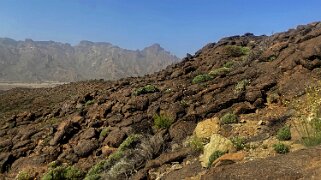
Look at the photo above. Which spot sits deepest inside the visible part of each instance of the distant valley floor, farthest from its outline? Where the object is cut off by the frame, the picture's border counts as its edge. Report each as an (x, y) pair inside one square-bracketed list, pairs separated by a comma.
[(10, 85)]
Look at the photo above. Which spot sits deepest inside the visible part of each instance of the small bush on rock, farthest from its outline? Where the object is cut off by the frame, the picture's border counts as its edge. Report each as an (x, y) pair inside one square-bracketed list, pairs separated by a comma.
[(146, 89), (219, 71), (195, 143), (236, 51), (238, 142), (241, 85), (214, 156), (201, 78), (229, 118), (90, 102), (23, 175), (63, 172), (308, 113), (161, 121), (284, 133), (104, 132), (281, 148)]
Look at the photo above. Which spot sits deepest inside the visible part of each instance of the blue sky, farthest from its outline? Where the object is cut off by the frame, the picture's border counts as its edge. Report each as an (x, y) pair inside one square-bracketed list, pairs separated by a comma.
[(180, 26)]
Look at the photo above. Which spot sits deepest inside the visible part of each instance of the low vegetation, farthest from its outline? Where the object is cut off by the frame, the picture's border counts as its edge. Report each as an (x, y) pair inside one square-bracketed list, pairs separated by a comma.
[(95, 172), (214, 156), (146, 89), (229, 118), (23, 175), (284, 133), (104, 132), (219, 71), (238, 142), (281, 148), (196, 143), (63, 172), (201, 78), (162, 121), (90, 102), (236, 51), (308, 114), (240, 86)]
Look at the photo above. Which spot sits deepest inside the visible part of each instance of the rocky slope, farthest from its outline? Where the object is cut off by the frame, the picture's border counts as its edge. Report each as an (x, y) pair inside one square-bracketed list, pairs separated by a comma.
[(154, 127), (36, 61)]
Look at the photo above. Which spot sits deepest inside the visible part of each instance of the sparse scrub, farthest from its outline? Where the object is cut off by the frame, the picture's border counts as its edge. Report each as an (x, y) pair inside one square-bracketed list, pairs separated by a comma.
[(23, 175), (104, 132), (308, 116), (162, 121), (228, 64), (229, 118), (240, 86), (195, 143), (127, 159), (214, 156), (284, 133), (63, 172), (219, 71), (201, 78), (184, 103), (238, 142), (272, 58), (272, 98), (90, 102), (236, 51), (146, 89), (129, 141), (281, 148), (96, 171)]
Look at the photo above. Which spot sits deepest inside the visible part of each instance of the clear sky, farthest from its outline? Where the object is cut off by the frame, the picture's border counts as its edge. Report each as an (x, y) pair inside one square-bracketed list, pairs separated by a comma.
[(180, 26)]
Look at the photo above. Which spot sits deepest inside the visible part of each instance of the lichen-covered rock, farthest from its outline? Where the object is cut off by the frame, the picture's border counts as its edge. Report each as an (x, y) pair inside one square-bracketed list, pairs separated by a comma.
[(217, 143), (206, 128)]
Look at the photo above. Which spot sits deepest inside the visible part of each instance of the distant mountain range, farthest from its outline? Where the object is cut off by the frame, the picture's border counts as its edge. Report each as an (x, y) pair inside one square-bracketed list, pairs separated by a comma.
[(38, 61)]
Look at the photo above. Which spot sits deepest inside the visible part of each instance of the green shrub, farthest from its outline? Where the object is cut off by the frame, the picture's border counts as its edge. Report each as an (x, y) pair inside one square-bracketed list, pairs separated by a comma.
[(214, 156), (90, 102), (272, 58), (201, 78), (184, 103), (104, 132), (229, 118), (95, 172), (228, 64), (23, 175), (236, 51), (161, 121), (196, 143), (146, 89), (129, 141), (241, 85), (238, 142), (219, 71), (281, 148), (63, 172), (312, 132), (284, 133), (308, 113)]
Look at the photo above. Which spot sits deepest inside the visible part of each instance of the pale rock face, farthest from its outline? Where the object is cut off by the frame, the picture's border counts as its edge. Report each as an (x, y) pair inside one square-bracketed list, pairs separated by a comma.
[(206, 128), (217, 143)]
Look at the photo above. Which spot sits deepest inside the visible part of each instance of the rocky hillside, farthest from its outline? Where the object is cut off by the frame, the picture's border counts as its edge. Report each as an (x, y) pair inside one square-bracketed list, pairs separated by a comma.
[(214, 115), (38, 61)]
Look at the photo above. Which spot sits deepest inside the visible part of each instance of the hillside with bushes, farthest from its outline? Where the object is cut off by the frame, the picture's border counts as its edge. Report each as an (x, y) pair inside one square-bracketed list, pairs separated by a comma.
[(241, 108)]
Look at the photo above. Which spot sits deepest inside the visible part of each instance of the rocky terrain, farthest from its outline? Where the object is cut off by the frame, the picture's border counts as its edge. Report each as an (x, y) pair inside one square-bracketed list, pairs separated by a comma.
[(228, 112), (47, 61)]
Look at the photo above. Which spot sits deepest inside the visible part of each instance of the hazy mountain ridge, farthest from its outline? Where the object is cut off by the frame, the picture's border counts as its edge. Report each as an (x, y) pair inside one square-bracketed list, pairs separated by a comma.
[(33, 61)]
